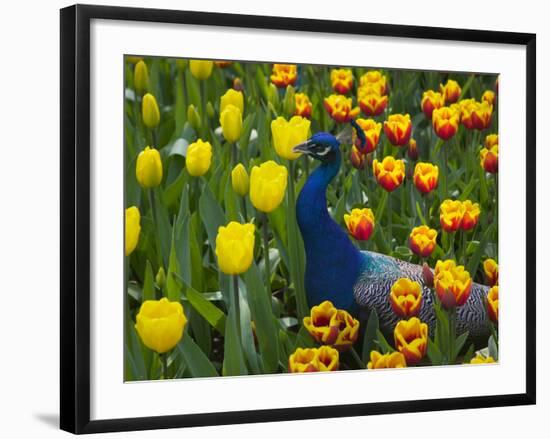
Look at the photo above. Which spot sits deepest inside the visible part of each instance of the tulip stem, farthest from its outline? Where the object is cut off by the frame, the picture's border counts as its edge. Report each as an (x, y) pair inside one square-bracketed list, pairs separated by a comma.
[(236, 303), (306, 165), (164, 361), (234, 153), (265, 234), (245, 213), (388, 212), (203, 108), (154, 218)]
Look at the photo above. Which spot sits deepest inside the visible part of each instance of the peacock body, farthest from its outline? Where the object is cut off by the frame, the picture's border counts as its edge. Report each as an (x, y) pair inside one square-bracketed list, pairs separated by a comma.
[(360, 281)]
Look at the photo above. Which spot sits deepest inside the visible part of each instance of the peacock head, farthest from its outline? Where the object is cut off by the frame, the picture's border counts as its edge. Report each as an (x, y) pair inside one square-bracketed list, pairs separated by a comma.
[(326, 147), (321, 146)]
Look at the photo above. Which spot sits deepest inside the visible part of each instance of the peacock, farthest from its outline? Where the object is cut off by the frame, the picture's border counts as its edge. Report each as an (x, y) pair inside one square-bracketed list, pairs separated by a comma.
[(354, 280)]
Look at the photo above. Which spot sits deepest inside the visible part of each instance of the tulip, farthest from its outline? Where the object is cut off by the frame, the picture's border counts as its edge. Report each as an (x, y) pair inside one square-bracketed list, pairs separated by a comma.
[(445, 121), (398, 129), (431, 100), (231, 120), (223, 64), (303, 106), (160, 277), (331, 326), (412, 151), (371, 129), (238, 84), (488, 156), (451, 91), (422, 241), (411, 339), (240, 180), (235, 247), (471, 215), (288, 134), (375, 79), (489, 97), (268, 185), (198, 158), (476, 115), (284, 75), (492, 304), (201, 69), (150, 111), (193, 117), (425, 177), (149, 168), (340, 108), (490, 267), (387, 361), (453, 283), (342, 80), (480, 359), (356, 157), (232, 97), (450, 215), (133, 59), (132, 229), (389, 173), (321, 359), (370, 101), (160, 323), (141, 77), (427, 275), (360, 223), (406, 297)]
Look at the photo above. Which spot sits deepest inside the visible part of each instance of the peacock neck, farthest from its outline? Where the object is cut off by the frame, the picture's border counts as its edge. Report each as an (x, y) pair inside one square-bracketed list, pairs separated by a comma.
[(332, 262)]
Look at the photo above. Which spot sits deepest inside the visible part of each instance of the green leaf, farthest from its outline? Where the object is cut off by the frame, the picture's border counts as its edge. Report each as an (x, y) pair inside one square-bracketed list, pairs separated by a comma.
[(469, 354), (211, 215), (493, 348), (473, 263), (434, 354), (369, 340), (197, 362), (459, 342), (233, 361), (173, 284), (382, 343), (148, 283), (262, 315)]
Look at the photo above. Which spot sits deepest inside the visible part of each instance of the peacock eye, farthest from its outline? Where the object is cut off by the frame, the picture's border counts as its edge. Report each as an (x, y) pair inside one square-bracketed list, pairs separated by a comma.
[(320, 149)]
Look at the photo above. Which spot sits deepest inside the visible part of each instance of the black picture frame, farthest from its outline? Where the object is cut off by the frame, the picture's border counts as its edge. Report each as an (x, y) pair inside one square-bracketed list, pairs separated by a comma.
[(75, 217)]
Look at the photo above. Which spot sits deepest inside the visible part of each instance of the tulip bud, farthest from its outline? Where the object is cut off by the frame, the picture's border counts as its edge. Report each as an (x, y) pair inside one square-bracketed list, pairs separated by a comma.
[(428, 275), (160, 278), (150, 111), (141, 77), (231, 120), (201, 69), (240, 180), (273, 95), (149, 168), (357, 159), (413, 150), (238, 84), (289, 103), (193, 117), (209, 110)]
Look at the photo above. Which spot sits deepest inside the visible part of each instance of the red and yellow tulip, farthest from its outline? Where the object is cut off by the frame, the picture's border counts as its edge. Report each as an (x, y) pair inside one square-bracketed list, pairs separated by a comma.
[(451, 91), (488, 156), (453, 283), (389, 173), (406, 297), (450, 215), (360, 223), (283, 75), (340, 108), (391, 360), (375, 79), (356, 157), (476, 115), (372, 130), (303, 105), (492, 303), (422, 241), (411, 339), (470, 217), (341, 80), (398, 129), (490, 267), (445, 121), (372, 103), (426, 176), (489, 97), (323, 359), (431, 100)]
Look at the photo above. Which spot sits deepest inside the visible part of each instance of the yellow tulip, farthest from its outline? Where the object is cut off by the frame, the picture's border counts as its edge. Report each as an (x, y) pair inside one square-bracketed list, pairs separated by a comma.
[(132, 229), (480, 359), (287, 134), (232, 97), (387, 361), (240, 180), (235, 247), (160, 324), (268, 185), (149, 168), (141, 77), (150, 111), (231, 120), (201, 69), (198, 158)]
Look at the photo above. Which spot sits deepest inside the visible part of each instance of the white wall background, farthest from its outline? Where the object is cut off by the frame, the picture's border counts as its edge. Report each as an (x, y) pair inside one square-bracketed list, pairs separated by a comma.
[(29, 216)]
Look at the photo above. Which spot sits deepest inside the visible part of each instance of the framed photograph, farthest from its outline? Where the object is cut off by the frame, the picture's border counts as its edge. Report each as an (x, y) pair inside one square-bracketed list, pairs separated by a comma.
[(268, 218)]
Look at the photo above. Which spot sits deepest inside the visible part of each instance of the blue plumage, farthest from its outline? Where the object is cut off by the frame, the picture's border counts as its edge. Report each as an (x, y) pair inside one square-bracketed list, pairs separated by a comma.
[(359, 281)]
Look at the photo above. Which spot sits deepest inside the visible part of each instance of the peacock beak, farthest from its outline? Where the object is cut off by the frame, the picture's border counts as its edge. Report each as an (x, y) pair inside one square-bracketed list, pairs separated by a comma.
[(304, 147)]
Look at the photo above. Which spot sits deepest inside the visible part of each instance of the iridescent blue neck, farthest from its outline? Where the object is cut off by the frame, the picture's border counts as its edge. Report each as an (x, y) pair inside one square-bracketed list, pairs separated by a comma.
[(333, 263)]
